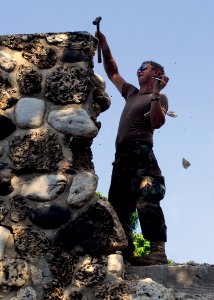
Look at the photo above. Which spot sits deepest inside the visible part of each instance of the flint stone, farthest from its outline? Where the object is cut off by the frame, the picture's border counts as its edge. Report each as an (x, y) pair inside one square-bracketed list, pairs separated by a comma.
[(19, 209), (96, 230), (36, 275), (74, 55), (73, 121), (14, 272), (7, 63), (17, 42), (7, 127), (68, 85), (74, 294), (40, 56), (7, 92), (27, 293), (6, 174), (64, 261), (44, 188), (5, 82), (100, 97), (1, 150), (100, 81), (3, 210), (29, 80), (81, 154), (115, 265), (115, 290), (30, 243), (29, 112), (8, 98), (149, 289), (90, 271), (50, 217), (4, 235), (37, 151), (53, 290), (57, 38), (82, 189)]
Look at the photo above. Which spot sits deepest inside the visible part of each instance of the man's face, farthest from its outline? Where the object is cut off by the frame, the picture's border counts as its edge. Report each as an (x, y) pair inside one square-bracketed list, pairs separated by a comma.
[(145, 73)]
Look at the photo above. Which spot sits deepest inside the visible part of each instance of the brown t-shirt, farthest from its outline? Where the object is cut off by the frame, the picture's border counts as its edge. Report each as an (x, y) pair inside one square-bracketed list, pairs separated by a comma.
[(133, 125)]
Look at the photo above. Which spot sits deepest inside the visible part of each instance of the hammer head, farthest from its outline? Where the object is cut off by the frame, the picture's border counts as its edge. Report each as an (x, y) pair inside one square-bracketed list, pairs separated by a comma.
[(97, 20)]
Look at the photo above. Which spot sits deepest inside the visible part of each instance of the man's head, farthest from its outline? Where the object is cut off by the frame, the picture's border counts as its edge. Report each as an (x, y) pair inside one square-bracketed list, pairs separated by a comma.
[(154, 65), (151, 77), (147, 72)]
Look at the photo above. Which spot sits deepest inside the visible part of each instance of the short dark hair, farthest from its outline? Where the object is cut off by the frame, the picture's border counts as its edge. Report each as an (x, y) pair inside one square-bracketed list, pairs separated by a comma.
[(155, 65)]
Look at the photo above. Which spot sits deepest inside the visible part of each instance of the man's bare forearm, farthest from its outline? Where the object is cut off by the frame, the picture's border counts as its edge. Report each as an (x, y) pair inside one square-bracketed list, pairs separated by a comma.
[(109, 63), (108, 60), (157, 116)]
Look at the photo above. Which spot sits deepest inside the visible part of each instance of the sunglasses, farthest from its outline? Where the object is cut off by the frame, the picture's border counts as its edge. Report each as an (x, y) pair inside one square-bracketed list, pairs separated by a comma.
[(143, 67)]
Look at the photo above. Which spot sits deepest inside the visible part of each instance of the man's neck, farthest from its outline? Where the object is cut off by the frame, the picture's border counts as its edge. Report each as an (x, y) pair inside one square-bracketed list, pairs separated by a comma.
[(146, 88)]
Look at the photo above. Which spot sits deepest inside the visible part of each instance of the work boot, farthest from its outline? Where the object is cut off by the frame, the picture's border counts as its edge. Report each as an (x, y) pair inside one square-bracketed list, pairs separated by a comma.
[(157, 256)]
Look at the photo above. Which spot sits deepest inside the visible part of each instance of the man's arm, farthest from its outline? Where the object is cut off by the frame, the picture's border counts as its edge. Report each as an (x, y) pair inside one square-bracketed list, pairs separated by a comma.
[(109, 63), (157, 112)]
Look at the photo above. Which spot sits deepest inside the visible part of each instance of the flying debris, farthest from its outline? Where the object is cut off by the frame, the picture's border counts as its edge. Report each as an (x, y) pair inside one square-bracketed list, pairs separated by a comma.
[(172, 114), (185, 163)]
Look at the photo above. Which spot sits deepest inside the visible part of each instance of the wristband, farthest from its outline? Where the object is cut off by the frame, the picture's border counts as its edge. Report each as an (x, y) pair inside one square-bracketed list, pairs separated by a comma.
[(155, 99)]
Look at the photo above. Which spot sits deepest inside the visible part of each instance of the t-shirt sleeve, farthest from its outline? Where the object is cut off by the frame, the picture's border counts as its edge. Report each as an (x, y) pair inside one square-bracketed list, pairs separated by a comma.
[(128, 90), (164, 101)]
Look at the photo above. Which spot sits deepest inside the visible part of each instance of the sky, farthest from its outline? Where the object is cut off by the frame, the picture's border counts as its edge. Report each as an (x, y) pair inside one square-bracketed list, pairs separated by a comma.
[(179, 35)]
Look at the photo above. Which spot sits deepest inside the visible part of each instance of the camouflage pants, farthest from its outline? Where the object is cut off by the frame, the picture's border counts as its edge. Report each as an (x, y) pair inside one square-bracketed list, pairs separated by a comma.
[(134, 187)]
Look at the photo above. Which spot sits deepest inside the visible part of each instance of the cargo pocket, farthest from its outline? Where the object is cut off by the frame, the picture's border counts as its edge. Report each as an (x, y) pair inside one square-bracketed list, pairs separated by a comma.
[(150, 189)]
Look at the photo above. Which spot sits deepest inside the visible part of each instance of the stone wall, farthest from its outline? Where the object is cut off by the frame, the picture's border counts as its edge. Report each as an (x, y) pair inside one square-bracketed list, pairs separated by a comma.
[(57, 238)]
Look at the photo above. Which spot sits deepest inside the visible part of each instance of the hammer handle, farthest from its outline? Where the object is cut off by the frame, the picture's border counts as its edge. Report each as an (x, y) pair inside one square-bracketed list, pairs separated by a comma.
[(99, 54), (99, 47)]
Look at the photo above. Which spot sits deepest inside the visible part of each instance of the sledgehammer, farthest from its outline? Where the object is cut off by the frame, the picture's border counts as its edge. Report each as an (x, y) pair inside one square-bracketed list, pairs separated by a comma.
[(97, 22)]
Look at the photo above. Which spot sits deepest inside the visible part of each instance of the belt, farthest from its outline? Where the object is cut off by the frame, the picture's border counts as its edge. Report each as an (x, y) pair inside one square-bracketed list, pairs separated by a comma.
[(132, 145)]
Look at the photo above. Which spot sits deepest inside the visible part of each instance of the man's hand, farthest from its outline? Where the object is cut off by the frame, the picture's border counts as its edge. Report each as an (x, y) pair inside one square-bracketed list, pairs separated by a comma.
[(160, 84), (100, 37)]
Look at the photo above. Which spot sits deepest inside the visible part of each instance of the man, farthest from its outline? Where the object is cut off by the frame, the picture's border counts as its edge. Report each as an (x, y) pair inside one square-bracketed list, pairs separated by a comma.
[(137, 181)]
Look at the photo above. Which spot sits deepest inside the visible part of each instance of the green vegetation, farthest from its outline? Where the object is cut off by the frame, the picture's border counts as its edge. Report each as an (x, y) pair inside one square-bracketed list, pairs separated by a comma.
[(142, 246), (171, 262), (99, 195), (134, 221)]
